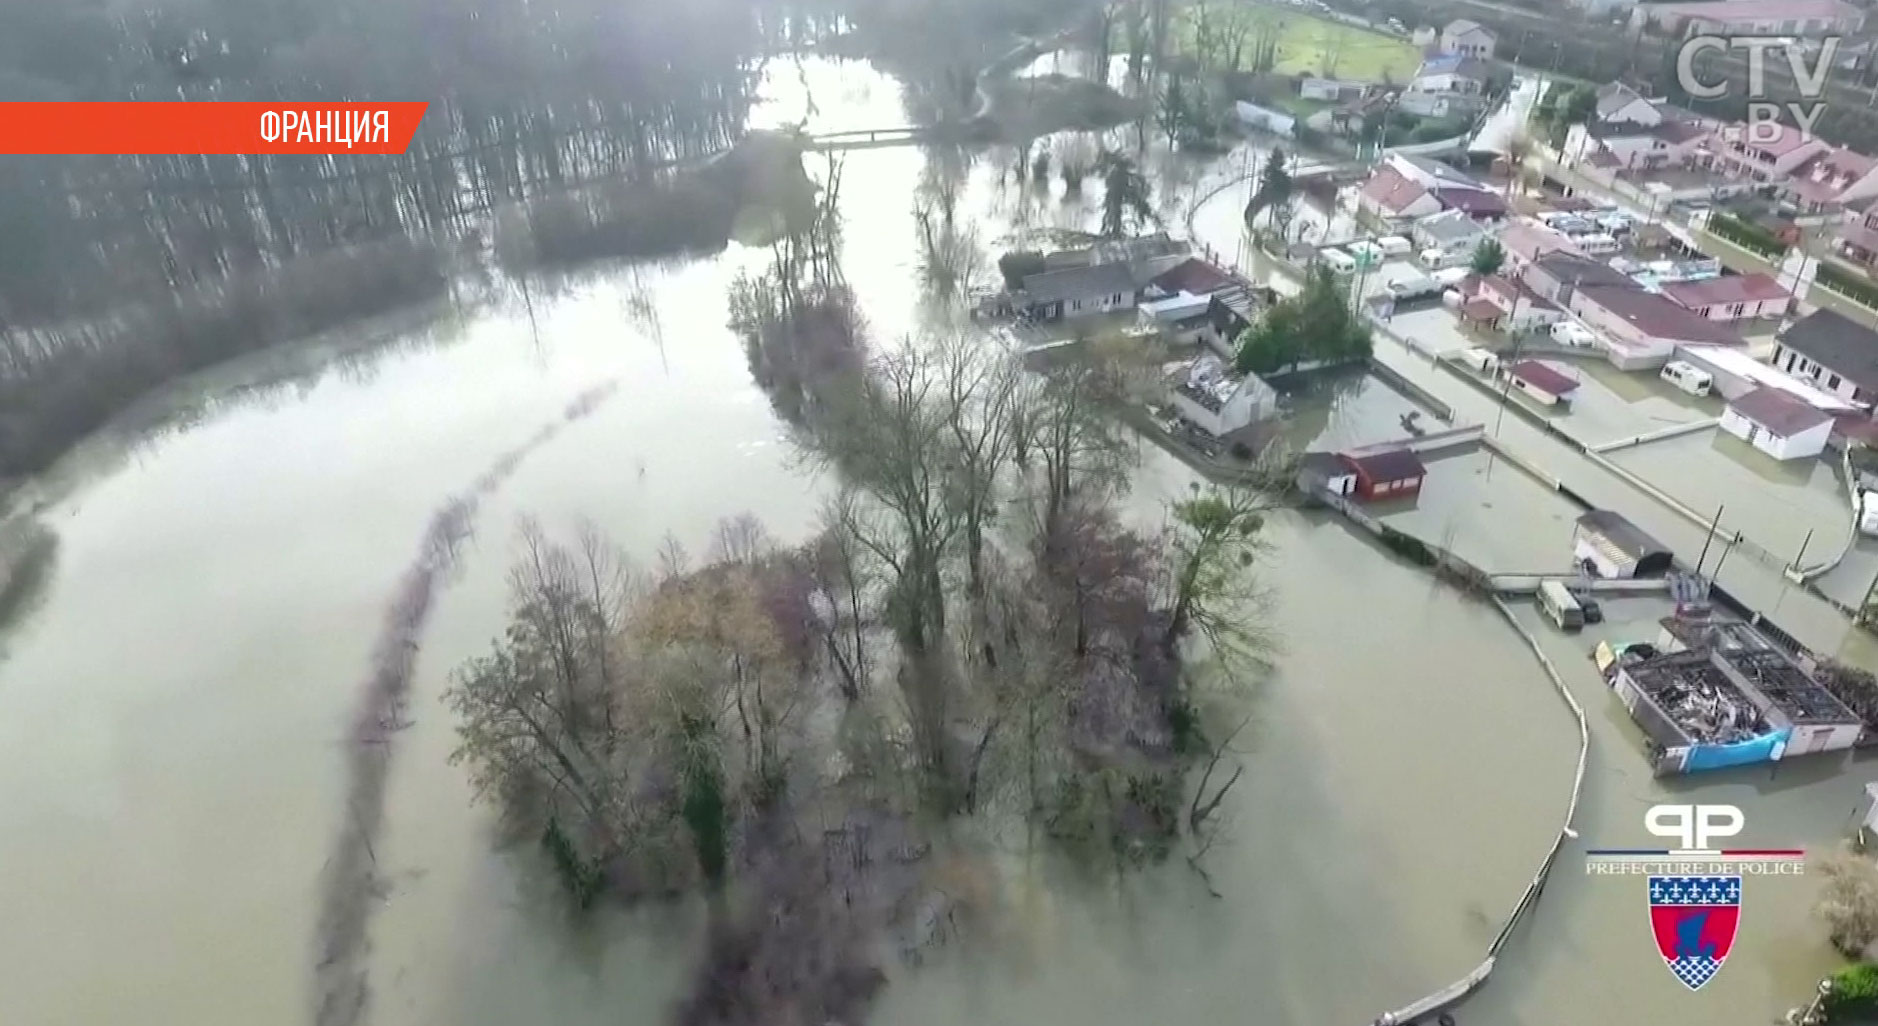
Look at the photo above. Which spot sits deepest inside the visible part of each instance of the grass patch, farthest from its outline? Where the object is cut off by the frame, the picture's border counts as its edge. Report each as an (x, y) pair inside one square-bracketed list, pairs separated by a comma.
[(1309, 44)]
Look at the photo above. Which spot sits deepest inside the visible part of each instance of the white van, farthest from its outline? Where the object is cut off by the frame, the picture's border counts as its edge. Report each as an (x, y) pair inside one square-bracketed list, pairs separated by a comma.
[(1688, 378), (1414, 287), (1435, 259), (1568, 333), (1449, 277), (1393, 246), (1338, 261), (1559, 604), (1597, 244)]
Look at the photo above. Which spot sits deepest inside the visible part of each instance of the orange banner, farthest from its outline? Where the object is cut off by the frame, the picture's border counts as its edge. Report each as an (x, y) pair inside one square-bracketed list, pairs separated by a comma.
[(155, 128)]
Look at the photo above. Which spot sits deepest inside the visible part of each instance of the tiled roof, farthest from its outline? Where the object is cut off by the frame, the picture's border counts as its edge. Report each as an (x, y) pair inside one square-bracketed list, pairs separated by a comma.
[(1731, 288), (1079, 283), (1388, 189), (1542, 377), (1778, 412), (1658, 316)]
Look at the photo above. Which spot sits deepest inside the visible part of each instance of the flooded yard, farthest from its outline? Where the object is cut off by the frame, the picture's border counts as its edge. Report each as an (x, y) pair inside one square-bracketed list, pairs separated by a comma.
[(1490, 513), (1611, 405), (1342, 408), (1775, 503)]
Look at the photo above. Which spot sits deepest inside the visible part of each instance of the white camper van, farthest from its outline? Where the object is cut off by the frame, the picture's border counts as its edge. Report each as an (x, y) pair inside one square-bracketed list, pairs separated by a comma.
[(1688, 378), (1338, 261), (1558, 603), (1393, 246)]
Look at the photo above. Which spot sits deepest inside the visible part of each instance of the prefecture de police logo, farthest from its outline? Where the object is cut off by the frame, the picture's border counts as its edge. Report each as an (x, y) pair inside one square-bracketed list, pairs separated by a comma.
[(1693, 890), (1694, 919)]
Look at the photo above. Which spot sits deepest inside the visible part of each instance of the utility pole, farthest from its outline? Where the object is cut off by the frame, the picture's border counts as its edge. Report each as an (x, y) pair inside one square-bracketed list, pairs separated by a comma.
[(1506, 389), (1712, 525)]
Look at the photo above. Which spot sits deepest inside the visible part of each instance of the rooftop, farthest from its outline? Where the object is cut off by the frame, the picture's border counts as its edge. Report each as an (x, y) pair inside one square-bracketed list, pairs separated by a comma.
[(1453, 64), (1615, 97), (1386, 465), (1079, 282), (1737, 362), (1194, 276), (1391, 190), (1698, 698), (1617, 529), (1838, 343), (1461, 27), (1785, 138), (1778, 412), (1540, 376), (1580, 271), (1436, 170), (1732, 288), (1658, 316), (1448, 226), (1768, 673), (1472, 201)]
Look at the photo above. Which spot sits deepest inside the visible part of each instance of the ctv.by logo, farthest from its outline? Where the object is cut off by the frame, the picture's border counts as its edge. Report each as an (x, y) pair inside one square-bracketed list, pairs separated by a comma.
[(1763, 120)]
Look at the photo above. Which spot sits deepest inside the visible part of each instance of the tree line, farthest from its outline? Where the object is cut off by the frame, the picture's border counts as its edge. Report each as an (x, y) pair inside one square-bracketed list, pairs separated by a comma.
[(974, 631)]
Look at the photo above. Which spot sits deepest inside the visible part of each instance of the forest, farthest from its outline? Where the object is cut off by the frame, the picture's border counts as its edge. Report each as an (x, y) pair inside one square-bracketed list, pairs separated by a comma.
[(601, 128)]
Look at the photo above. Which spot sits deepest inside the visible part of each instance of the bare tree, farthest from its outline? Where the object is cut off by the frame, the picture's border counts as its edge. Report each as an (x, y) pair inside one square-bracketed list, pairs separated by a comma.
[(1848, 902), (980, 387)]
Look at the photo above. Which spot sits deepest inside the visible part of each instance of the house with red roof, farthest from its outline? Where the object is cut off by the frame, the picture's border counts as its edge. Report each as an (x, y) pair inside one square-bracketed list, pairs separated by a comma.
[(1764, 151), (1520, 308), (1393, 197), (1778, 424), (1831, 181), (1539, 381), (1732, 297)]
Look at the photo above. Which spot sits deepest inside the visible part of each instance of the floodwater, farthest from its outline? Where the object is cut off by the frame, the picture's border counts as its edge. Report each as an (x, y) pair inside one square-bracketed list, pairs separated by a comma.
[(171, 760)]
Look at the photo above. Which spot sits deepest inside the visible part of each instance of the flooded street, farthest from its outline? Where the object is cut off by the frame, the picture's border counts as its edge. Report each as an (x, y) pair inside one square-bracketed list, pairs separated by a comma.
[(176, 701)]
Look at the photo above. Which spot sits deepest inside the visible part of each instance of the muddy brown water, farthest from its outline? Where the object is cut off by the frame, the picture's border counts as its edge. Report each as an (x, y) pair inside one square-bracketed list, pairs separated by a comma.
[(172, 745)]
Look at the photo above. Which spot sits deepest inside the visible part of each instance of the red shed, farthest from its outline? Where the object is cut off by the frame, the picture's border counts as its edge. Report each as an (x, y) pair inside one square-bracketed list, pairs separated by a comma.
[(1388, 474)]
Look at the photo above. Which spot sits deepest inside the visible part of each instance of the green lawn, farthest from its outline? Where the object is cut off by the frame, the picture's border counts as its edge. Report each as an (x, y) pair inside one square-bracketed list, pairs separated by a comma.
[(1306, 43)]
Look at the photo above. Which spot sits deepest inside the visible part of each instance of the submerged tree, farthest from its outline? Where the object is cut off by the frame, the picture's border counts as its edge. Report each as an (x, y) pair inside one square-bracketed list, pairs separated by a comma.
[(1274, 190), (1316, 325), (1126, 198)]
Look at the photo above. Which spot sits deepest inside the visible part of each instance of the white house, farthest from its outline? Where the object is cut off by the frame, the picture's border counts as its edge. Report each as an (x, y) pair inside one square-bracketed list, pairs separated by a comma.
[(1834, 352), (1468, 38), (1217, 402), (1731, 297), (1632, 145), (1620, 104), (1079, 291), (1450, 73), (1451, 234), (1777, 424), (1521, 309)]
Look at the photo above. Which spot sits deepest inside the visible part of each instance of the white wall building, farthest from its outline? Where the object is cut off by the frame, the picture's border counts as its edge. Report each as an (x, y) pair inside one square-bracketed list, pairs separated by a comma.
[(1777, 424)]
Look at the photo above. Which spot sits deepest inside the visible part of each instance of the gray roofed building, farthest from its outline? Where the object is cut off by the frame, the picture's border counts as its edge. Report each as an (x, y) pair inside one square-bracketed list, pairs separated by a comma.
[(1448, 226), (1079, 282), (1611, 528), (1842, 349)]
